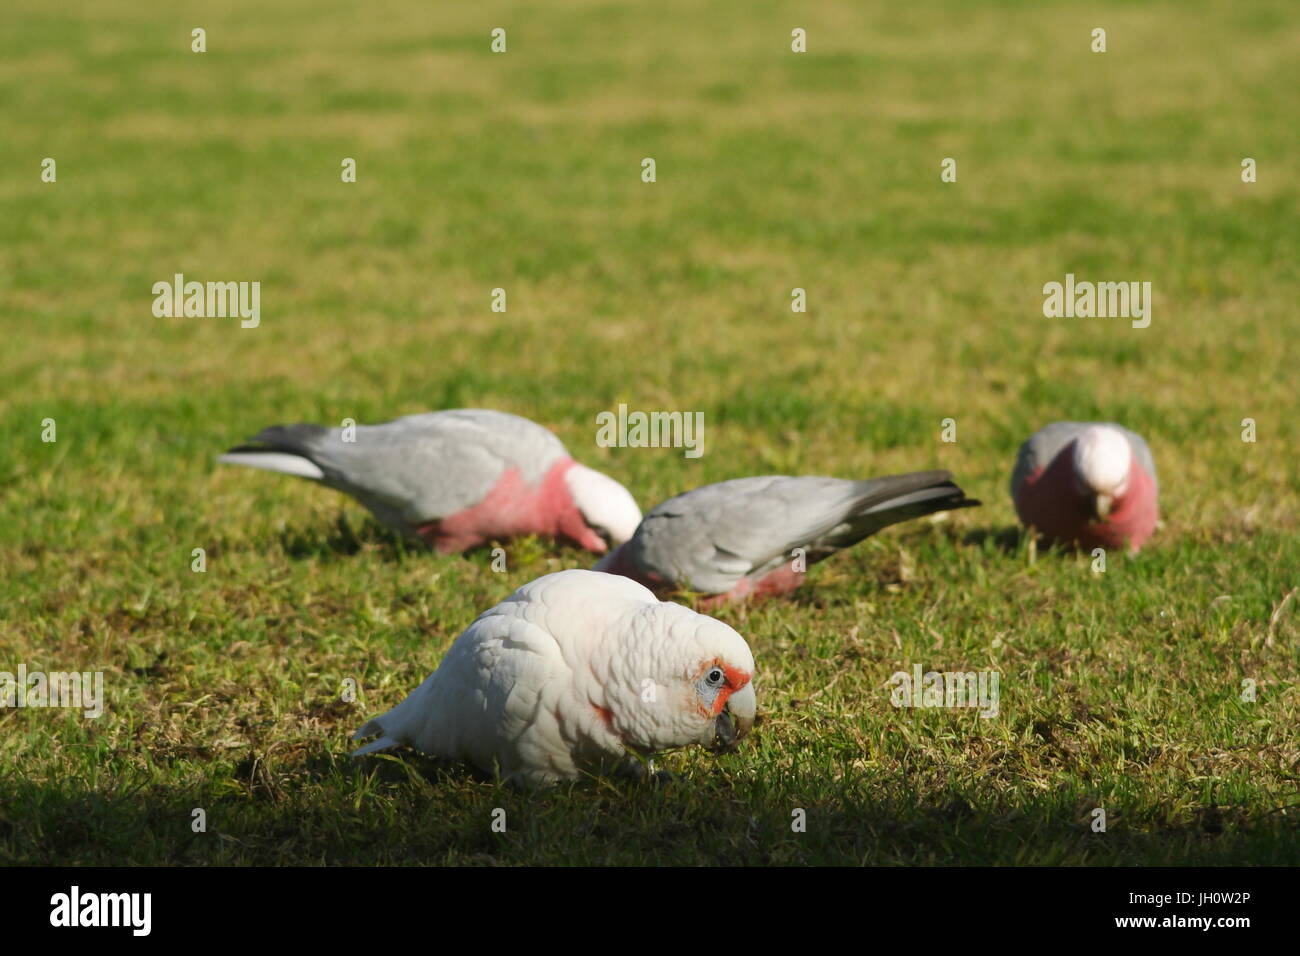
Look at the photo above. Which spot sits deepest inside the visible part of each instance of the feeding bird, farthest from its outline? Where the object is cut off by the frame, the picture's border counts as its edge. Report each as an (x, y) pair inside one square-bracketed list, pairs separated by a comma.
[(577, 673), (1087, 483), (737, 539), (455, 479)]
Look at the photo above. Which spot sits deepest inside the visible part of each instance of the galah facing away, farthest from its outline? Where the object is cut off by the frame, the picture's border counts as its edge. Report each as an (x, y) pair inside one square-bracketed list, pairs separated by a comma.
[(455, 479), (1087, 483), (738, 538), (572, 675)]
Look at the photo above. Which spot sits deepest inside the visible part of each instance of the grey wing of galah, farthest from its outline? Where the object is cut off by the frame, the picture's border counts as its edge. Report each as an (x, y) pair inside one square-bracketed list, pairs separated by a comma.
[(1142, 452), (1040, 448), (710, 538), (422, 467), (1049, 441)]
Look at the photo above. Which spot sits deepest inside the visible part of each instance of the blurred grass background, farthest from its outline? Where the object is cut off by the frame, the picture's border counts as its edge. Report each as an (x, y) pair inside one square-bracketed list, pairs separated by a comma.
[(775, 171)]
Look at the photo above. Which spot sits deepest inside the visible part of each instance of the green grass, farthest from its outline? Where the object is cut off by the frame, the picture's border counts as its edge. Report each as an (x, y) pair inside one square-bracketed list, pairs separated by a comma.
[(820, 171)]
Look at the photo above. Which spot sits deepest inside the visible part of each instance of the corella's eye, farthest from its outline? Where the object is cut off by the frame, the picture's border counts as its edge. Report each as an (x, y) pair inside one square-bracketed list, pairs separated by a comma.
[(715, 677)]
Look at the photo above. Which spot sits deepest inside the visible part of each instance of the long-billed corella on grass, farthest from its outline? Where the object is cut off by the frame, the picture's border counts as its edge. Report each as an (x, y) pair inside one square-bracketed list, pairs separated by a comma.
[(455, 479), (1087, 483), (577, 673), (755, 536)]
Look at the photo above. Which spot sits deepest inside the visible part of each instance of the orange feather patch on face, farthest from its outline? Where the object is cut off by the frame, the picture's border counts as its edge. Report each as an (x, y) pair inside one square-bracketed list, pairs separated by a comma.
[(736, 680)]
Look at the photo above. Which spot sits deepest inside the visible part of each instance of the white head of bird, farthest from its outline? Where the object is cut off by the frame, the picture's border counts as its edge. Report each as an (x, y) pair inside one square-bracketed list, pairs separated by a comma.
[(607, 507), (681, 678), (1102, 458)]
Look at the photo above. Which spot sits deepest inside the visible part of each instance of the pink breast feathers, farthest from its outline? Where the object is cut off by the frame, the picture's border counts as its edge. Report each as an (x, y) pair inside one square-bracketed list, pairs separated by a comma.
[(780, 580), (1049, 501), (513, 508)]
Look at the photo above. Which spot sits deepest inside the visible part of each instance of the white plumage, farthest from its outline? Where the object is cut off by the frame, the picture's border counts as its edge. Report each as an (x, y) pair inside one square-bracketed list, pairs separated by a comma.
[(570, 675), (1102, 459)]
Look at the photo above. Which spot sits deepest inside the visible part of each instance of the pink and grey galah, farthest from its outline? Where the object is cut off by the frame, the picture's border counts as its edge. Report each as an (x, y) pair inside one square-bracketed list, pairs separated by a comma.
[(756, 536), (455, 479), (1091, 484), (577, 674)]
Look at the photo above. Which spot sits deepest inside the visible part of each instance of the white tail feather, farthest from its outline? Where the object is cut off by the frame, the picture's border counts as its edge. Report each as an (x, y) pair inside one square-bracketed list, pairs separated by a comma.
[(282, 462), (383, 743)]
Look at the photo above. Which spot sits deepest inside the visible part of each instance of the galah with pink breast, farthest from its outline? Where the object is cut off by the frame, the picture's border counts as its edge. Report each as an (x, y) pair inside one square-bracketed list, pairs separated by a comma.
[(1091, 484), (455, 479), (755, 536)]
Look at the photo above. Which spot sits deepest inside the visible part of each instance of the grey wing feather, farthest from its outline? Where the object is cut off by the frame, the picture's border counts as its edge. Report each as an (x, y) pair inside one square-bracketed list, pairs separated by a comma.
[(422, 467), (1143, 454), (712, 537), (677, 539), (1040, 448)]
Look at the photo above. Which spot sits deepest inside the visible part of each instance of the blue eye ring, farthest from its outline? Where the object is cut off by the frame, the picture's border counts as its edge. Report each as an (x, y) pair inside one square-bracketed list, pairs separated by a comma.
[(715, 677)]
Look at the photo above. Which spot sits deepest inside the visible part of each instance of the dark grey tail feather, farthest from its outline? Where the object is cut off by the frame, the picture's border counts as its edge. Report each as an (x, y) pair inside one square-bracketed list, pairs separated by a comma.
[(296, 439), (903, 497), (945, 497)]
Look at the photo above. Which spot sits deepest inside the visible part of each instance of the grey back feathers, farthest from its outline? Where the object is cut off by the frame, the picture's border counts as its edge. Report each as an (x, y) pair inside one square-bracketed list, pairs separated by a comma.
[(414, 469), (710, 538), (1040, 448)]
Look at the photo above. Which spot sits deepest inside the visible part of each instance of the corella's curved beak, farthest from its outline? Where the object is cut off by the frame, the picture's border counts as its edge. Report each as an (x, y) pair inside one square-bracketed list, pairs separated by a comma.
[(736, 719), (1100, 506)]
